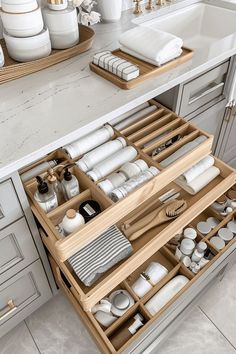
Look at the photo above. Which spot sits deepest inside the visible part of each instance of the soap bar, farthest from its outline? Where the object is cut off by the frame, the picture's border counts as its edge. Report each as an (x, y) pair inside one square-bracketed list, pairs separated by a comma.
[(117, 66)]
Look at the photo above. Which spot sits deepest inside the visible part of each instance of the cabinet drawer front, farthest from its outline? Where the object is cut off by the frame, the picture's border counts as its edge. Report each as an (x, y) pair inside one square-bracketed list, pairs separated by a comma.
[(18, 293), (17, 249), (203, 89), (10, 209)]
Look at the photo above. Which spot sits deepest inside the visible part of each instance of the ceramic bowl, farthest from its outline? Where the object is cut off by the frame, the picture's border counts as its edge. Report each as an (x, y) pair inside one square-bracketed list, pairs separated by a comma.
[(23, 25), (30, 48), (19, 6)]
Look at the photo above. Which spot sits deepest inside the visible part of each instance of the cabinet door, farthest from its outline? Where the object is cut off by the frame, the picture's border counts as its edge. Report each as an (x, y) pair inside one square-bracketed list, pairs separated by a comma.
[(211, 120), (227, 141)]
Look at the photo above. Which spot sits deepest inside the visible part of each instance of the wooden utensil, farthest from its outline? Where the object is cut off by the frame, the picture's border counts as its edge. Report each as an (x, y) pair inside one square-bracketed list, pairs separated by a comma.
[(159, 216)]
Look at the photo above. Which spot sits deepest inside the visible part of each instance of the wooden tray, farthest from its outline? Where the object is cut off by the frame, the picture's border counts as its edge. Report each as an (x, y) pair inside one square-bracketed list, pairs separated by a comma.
[(13, 70), (146, 70)]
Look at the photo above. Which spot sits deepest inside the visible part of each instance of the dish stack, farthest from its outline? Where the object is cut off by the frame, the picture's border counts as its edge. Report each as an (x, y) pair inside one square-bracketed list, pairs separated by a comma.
[(24, 33)]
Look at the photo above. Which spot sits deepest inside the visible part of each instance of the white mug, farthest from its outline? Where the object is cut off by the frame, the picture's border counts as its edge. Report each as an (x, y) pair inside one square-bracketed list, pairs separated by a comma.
[(141, 286), (2, 61)]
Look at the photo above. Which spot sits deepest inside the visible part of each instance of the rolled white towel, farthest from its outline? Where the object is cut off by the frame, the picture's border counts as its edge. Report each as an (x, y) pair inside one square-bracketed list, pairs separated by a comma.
[(197, 169), (199, 182), (170, 56), (183, 150), (135, 117), (151, 43)]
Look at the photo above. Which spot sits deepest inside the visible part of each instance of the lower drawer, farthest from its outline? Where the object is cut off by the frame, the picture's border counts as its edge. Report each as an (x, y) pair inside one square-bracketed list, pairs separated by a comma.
[(21, 295), (113, 338)]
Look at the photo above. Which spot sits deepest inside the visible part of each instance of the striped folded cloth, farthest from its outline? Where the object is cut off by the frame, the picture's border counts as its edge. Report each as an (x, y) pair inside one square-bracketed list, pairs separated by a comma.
[(100, 255)]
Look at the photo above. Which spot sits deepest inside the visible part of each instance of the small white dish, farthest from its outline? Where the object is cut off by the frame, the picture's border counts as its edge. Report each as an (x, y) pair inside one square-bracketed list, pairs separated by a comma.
[(30, 48), (190, 233), (19, 6), (225, 234), (213, 222), (22, 25), (187, 246), (232, 226), (218, 242), (203, 227), (121, 301)]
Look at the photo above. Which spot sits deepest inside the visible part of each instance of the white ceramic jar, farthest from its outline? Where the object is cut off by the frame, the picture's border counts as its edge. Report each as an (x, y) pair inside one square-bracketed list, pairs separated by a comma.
[(19, 6), (72, 221), (110, 10), (29, 48), (63, 27), (25, 24)]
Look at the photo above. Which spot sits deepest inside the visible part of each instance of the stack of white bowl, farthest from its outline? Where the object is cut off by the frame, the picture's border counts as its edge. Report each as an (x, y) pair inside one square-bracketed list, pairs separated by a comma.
[(24, 33)]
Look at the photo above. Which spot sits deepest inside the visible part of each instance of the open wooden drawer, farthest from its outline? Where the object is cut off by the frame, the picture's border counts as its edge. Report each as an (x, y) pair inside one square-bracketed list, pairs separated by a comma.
[(144, 247), (112, 339)]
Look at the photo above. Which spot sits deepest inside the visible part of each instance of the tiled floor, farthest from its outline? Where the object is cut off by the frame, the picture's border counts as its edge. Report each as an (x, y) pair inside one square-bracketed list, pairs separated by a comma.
[(56, 329)]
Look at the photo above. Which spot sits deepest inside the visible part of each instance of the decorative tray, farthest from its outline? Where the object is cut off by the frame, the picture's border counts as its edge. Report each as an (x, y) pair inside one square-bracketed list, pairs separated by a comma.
[(13, 70), (147, 70)]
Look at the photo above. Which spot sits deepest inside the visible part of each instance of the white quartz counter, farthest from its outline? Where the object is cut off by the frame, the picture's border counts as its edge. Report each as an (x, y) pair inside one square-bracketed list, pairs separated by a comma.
[(48, 109)]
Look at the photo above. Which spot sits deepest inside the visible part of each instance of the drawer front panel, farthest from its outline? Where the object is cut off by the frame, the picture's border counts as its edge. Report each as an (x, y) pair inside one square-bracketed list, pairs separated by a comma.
[(203, 89), (27, 287), (10, 209), (17, 249)]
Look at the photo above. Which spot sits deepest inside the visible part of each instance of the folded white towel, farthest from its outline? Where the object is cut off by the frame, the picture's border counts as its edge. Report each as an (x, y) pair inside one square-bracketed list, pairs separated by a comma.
[(199, 182), (197, 169), (169, 56), (151, 43), (183, 150)]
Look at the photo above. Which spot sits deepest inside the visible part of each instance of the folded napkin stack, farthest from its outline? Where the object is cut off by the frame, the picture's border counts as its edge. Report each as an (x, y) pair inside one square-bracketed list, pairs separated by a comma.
[(198, 176), (100, 255), (151, 45)]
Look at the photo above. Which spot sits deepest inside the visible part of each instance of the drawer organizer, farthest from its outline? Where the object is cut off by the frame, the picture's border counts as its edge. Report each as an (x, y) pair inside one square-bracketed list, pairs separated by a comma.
[(145, 136)]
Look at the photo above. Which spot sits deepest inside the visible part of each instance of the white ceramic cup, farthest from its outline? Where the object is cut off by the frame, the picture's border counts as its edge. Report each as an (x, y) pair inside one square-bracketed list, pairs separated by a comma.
[(110, 9), (29, 48), (156, 271), (19, 6), (23, 25), (141, 286)]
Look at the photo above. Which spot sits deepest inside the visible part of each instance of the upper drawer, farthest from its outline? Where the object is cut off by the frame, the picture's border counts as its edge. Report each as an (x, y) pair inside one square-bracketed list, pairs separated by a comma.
[(146, 135), (10, 209), (17, 249), (25, 289), (203, 89)]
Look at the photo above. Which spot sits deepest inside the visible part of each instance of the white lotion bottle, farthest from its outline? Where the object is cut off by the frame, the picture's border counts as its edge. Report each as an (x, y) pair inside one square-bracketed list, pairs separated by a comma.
[(113, 162), (89, 160), (72, 221), (89, 142), (70, 185)]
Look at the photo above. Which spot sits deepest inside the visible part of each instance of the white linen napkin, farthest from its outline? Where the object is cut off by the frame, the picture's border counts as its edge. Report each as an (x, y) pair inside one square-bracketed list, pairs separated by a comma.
[(197, 169)]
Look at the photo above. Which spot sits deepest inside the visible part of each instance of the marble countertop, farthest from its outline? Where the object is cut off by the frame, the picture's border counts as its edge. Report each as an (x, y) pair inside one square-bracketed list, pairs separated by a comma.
[(43, 111)]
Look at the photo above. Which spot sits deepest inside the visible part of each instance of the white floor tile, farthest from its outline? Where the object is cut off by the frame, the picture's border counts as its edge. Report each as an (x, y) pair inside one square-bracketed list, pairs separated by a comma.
[(18, 341)]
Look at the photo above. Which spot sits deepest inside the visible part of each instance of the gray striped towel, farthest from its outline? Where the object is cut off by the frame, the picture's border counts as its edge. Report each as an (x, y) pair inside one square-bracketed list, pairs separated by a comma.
[(100, 255)]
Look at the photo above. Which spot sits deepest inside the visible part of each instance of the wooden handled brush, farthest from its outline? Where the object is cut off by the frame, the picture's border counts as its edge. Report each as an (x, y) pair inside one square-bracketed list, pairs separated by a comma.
[(157, 217)]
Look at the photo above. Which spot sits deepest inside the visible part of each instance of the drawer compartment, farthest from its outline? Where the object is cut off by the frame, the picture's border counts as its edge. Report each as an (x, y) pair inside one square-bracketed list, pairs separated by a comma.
[(28, 289), (17, 249), (145, 246), (10, 209), (203, 89)]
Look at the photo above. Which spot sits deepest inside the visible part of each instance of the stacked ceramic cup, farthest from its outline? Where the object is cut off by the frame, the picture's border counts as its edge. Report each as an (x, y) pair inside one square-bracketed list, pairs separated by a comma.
[(24, 33), (62, 24)]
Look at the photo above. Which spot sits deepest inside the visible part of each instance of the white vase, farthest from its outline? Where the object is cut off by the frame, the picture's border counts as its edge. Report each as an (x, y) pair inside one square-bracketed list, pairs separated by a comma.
[(110, 9)]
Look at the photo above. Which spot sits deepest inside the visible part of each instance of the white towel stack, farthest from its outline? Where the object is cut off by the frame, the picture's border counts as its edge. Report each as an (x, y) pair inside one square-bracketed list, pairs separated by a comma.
[(151, 45)]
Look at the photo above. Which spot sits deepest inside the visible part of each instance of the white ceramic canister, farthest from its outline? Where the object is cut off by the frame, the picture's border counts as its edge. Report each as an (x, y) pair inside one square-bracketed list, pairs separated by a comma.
[(25, 24), (19, 6), (63, 27), (29, 48), (110, 9), (72, 221), (2, 61)]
